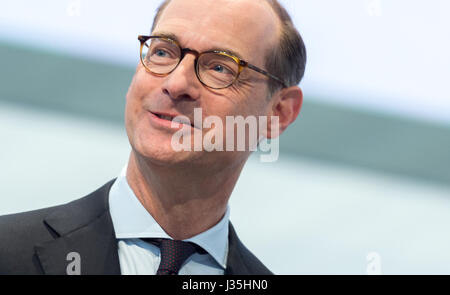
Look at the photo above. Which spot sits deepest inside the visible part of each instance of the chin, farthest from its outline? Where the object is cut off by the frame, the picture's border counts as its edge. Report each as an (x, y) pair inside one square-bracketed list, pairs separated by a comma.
[(160, 152)]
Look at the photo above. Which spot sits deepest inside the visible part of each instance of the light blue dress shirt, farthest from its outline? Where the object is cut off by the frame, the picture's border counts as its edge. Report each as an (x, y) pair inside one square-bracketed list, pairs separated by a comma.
[(132, 221)]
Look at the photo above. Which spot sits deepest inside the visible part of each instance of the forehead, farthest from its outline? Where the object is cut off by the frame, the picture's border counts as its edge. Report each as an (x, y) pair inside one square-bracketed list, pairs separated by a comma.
[(247, 27)]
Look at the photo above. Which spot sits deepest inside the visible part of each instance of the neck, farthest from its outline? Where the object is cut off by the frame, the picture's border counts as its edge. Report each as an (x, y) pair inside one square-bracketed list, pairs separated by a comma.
[(183, 201)]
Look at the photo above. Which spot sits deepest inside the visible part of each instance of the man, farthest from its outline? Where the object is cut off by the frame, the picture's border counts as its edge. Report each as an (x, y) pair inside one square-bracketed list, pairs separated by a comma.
[(167, 213)]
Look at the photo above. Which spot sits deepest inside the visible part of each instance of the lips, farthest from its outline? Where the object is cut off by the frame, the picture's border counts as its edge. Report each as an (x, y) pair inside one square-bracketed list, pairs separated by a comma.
[(175, 118), (165, 117)]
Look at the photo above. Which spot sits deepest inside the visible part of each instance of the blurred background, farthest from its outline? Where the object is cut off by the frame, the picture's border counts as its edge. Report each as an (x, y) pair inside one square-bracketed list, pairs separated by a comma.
[(362, 185)]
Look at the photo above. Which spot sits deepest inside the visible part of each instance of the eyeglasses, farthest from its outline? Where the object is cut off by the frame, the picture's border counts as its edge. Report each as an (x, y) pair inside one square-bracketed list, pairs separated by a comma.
[(214, 69)]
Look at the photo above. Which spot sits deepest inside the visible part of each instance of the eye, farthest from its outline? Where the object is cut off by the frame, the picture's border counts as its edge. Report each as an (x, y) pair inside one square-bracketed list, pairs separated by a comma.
[(160, 53), (219, 68)]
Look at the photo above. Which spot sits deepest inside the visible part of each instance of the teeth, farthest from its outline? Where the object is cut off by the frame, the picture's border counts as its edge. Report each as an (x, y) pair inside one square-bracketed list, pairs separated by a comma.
[(182, 121), (166, 118)]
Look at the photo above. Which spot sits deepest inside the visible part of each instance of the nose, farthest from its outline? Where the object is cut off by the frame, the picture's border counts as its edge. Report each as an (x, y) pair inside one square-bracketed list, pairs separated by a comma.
[(182, 83)]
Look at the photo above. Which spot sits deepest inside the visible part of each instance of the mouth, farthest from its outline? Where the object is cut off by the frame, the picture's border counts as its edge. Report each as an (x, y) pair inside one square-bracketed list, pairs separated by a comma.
[(174, 118)]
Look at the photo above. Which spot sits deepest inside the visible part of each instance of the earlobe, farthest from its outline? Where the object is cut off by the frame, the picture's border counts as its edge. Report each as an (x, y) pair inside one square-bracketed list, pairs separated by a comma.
[(286, 107), (297, 100)]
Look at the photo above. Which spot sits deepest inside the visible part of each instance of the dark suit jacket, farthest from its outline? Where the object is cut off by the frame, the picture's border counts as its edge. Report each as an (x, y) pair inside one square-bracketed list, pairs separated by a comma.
[(38, 242)]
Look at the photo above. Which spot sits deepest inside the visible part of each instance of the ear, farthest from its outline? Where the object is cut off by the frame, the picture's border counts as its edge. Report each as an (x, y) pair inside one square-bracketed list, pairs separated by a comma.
[(286, 105)]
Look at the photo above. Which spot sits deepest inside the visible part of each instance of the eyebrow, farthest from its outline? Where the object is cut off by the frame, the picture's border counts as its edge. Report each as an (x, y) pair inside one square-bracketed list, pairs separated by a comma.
[(175, 38)]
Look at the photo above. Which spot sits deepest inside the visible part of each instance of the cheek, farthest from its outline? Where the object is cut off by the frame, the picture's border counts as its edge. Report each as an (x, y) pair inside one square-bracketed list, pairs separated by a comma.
[(140, 87), (131, 106), (134, 101), (247, 105), (142, 82)]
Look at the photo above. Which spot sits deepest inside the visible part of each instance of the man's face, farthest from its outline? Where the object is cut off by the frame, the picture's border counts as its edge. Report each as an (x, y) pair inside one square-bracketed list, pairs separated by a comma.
[(249, 28)]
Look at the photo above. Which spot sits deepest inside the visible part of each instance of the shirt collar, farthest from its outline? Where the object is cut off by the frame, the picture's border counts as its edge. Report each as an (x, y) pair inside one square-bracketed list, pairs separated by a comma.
[(131, 220)]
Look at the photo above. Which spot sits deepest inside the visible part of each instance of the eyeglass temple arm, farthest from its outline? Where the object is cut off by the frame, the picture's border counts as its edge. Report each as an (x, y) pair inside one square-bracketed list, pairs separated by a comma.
[(265, 73), (142, 38)]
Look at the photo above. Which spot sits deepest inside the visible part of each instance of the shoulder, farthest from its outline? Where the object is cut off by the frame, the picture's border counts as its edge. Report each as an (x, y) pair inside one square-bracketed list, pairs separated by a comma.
[(25, 226), (21, 232)]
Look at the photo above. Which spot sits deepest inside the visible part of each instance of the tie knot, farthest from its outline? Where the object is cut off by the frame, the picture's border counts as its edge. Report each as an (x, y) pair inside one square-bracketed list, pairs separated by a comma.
[(173, 254)]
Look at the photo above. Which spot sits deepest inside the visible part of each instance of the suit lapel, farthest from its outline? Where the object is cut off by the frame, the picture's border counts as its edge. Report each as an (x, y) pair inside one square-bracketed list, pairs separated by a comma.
[(235, 260), (83, 227)]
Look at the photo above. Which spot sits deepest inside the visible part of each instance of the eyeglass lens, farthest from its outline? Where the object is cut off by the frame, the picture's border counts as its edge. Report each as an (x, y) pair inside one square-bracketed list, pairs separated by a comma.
[(215, 70)]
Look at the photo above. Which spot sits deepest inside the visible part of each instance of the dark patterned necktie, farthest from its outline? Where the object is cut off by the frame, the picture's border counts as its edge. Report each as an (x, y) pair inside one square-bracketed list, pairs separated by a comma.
[(173, 254)]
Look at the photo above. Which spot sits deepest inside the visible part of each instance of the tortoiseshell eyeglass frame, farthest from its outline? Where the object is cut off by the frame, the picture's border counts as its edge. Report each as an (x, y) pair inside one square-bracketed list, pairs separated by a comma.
[(242, 64)]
